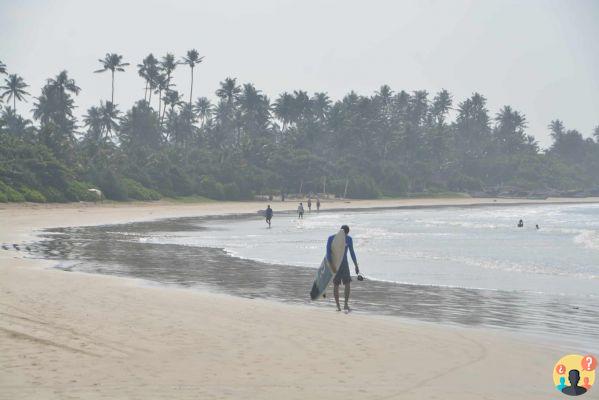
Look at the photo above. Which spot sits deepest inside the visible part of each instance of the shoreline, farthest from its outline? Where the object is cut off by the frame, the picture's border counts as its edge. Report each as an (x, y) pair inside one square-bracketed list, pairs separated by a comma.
[(96, 336)]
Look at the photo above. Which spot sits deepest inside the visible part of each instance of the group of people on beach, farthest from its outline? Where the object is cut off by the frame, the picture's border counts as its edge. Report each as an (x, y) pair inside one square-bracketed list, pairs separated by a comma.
[(268, 213)]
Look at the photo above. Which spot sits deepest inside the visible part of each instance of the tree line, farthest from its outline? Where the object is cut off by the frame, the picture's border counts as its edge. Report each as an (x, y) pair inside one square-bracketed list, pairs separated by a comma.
[(242, 143)]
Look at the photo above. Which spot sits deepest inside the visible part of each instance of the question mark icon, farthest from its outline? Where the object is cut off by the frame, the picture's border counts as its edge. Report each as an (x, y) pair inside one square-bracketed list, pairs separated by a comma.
[(560, 369), (589, 362)]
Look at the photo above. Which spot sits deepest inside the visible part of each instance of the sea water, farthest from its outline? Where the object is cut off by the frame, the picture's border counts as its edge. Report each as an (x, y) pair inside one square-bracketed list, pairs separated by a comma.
[(458, 265), (473, 247)]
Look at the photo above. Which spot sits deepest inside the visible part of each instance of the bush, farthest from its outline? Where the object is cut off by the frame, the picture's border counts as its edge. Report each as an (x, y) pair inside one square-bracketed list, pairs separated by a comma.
[(137, 191), (212, 189), (3, 198), (110, 184), (79, 191), (54, 195), (32, 195), (11, 194), (362, 187), (231, 191)]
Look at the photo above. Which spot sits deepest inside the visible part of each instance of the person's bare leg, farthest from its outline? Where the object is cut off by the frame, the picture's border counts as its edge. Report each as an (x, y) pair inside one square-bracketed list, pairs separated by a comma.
[(347, 290), (336, 294)]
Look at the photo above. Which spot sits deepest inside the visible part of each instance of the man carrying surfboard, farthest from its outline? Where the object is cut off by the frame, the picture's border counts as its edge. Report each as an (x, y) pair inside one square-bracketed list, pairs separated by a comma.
[(343, 275)]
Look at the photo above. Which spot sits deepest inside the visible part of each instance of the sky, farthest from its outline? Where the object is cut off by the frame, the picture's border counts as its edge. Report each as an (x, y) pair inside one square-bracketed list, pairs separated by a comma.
[(539, 56)]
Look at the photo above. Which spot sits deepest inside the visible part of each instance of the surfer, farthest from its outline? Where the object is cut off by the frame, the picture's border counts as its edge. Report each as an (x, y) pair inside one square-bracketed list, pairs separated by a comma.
[(300, 210), (268, 215), (342, 274)]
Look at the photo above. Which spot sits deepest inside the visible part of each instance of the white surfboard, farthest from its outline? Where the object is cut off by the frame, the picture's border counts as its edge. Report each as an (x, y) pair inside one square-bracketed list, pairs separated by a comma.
[(327, 270)]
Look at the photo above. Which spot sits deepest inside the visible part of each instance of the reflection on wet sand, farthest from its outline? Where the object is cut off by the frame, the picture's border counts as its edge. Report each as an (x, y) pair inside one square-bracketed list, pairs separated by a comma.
[(120, 250)]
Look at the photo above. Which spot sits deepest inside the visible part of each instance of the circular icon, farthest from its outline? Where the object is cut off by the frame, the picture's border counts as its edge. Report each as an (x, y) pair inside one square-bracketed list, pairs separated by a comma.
[(574, 374), (588, 363)]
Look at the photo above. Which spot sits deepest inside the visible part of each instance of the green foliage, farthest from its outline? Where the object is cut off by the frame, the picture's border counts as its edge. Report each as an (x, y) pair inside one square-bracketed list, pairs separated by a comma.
[(32, 195), (10, 194), (137, 191), (79, 191), (386, 144)]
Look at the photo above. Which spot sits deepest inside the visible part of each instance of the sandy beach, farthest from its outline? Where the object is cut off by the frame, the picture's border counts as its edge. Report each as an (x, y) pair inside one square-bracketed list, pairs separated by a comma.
[(81, 336)]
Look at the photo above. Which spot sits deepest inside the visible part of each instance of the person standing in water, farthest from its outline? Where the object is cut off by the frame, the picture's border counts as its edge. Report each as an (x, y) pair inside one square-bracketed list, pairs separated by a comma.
[(317, 204), (300, 211), (309, 204), (343, 275), (520, 224), (268, 215)]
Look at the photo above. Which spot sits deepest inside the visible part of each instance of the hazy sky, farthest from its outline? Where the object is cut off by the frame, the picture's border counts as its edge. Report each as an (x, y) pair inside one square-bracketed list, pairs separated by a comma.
[(539, 56)]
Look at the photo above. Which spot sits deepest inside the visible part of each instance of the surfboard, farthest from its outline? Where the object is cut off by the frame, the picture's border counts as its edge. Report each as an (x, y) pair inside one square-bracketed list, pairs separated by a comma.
[(327, 270)]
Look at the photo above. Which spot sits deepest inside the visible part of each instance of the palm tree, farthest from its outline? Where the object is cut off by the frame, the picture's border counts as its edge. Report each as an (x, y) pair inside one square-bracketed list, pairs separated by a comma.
[(321, 105), (110, 117), (283, 109), (112, 62), (14, 88), (93, 121), (203, 109), (168, 65), (146, 70), (229, 90), (62, 83), (192, 59)]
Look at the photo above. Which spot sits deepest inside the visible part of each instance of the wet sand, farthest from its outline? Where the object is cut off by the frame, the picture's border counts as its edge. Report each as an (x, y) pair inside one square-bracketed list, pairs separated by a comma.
[(73, 335)]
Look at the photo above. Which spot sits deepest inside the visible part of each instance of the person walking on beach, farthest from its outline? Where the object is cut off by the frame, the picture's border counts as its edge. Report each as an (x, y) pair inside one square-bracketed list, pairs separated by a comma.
[(317, 204), (343, 275), (268, 215), (309, 204), (300, 210)]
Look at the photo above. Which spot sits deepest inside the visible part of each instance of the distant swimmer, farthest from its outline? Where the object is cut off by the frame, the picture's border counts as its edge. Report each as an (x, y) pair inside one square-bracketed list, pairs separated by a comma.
[(342, 275), (268, 215), (520, 224), (537, 226), (300, 210)]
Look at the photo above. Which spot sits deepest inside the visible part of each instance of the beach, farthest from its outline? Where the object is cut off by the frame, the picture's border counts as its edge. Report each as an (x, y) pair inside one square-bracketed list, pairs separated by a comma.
[(74, 335)]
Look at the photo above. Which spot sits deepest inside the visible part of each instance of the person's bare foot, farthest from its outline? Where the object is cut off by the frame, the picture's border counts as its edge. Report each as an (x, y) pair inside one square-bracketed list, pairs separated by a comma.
[(346, 308), (338, 308)]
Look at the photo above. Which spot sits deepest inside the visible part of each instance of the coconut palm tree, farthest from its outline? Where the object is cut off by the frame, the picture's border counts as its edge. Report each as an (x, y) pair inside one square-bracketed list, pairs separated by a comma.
[(14, 88), (63, 84), (168, 65), (192, 59), (93, 122), (229, 90), (203, 109), (321, 105), (110, 117), (147, 69), (112, 62)]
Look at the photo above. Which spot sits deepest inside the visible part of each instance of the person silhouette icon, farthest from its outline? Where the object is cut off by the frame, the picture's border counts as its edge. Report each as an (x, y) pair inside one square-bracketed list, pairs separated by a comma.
[(562, 383), (574, 389), (586, 383)]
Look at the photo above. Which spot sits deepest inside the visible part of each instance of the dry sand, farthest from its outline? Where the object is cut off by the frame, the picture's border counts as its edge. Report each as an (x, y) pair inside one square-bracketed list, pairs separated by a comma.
[(78, 336)]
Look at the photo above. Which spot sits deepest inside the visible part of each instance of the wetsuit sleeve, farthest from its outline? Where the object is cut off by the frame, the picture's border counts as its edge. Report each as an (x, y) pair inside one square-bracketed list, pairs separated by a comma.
[(329, 242), (350, 245)]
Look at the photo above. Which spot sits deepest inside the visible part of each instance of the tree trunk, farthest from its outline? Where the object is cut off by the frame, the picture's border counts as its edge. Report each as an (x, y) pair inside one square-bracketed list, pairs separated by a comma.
[(146, 91), (191, 89), (112, 96), (14, 103)]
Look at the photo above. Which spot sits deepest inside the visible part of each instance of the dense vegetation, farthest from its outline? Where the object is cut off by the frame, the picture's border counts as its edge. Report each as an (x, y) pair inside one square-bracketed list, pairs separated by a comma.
[(170, 144)]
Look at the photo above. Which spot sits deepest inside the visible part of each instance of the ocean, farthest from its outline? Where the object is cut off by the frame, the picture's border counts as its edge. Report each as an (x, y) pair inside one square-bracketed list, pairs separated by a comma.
[(457, 265)]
